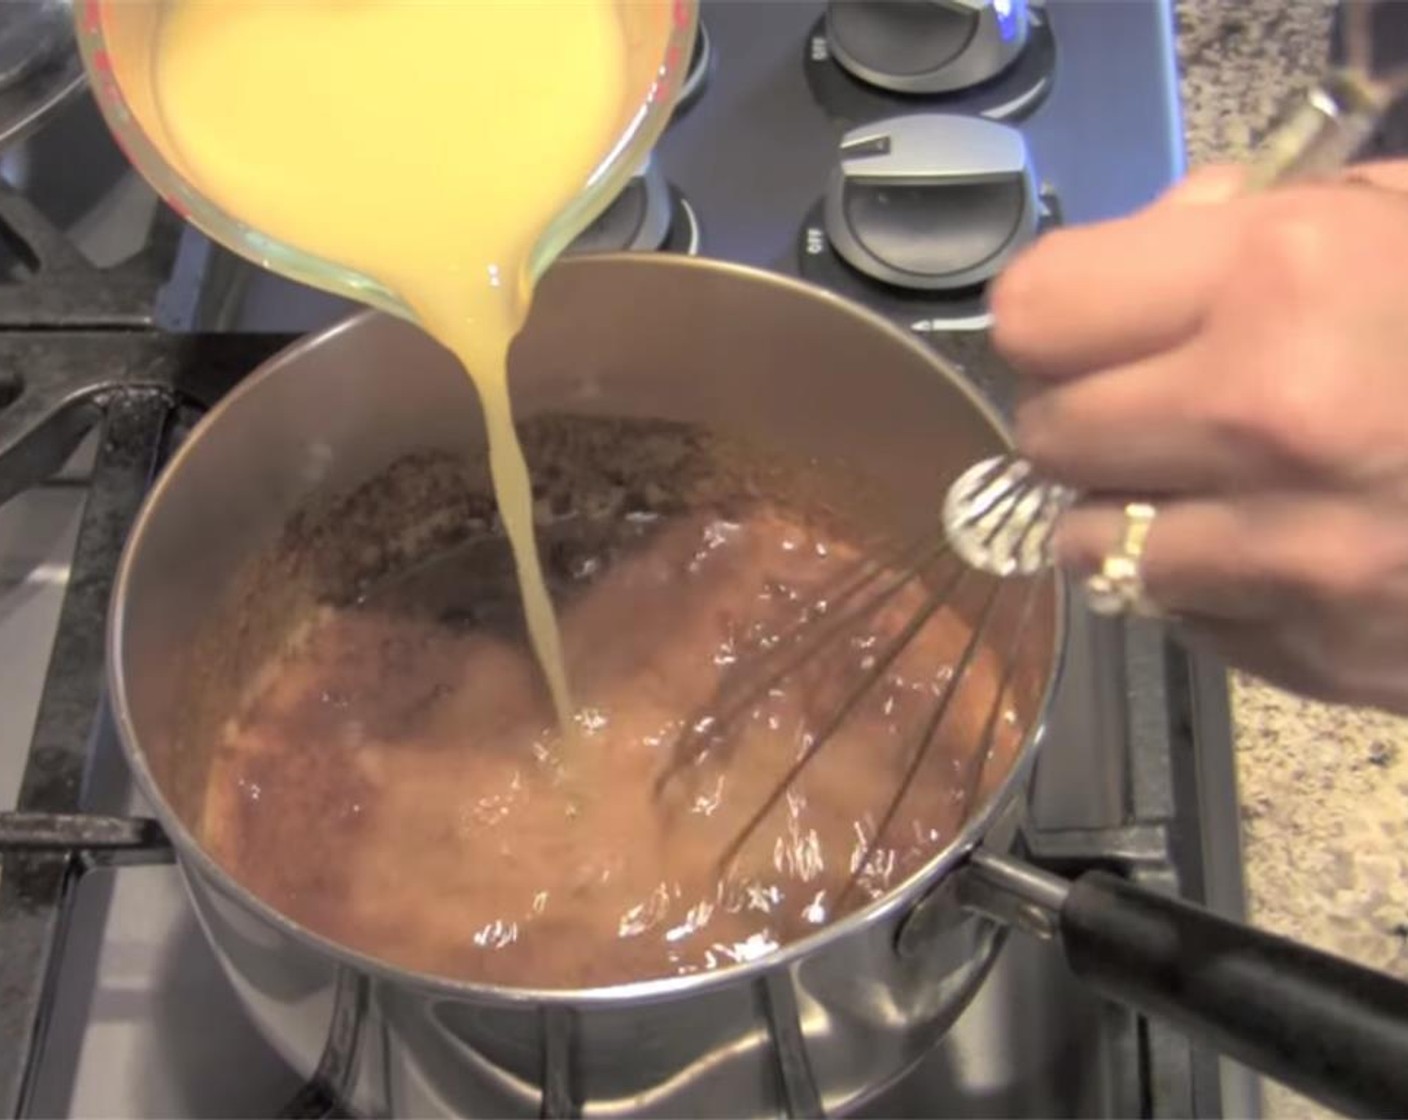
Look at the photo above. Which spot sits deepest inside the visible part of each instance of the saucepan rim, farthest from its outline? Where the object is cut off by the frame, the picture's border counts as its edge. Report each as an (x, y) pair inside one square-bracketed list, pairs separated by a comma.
[(194, 858)]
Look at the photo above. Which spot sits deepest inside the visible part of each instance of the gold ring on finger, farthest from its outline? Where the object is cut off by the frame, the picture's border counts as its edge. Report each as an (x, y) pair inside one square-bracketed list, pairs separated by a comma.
[(1118, 587)]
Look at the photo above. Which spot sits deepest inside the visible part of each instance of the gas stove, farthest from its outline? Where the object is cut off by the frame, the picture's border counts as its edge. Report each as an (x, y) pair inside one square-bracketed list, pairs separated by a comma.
[(896, 152)]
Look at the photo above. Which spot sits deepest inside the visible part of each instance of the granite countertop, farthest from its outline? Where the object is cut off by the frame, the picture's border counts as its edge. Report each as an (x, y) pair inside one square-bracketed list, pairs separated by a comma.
[(1323, 789)]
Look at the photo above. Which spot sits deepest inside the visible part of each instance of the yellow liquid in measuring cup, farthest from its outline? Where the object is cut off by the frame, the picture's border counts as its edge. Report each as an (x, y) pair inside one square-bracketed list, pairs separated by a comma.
[(424, 143)]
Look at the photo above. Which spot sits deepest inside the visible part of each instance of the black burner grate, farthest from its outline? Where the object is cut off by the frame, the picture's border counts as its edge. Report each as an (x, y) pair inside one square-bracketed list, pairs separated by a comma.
[(65, 288), (78, 351), (126, 383)]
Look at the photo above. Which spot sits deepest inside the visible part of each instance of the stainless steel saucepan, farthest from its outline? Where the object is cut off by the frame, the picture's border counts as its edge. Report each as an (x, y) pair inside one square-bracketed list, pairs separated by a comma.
[(230, 550)]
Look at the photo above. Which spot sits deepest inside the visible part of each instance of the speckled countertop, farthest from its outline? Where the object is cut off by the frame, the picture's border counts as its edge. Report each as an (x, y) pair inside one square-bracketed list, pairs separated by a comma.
[(1324, 790)]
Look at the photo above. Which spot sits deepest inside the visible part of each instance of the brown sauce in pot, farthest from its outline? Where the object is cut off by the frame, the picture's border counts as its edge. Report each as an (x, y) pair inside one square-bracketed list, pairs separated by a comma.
[(394, 781)]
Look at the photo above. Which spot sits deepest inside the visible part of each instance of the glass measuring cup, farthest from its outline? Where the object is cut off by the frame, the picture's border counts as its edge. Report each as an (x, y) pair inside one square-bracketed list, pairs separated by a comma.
[(118, 40)]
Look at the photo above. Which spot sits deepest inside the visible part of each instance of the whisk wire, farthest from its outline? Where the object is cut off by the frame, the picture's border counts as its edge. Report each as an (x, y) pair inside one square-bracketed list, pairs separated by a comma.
[(999, 515), (926, 739), (986, 498), (1053, 502), (864, 684), (978, 761), (1019, 491), (786, 657)]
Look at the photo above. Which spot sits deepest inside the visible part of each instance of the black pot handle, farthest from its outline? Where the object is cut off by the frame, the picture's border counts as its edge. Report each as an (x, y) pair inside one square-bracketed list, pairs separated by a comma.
[(1328, 1028)]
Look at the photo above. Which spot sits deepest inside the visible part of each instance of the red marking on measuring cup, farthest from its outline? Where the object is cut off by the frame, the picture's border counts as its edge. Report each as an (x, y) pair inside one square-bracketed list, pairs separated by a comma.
[(92, 18), (101, 62), (122, 147)]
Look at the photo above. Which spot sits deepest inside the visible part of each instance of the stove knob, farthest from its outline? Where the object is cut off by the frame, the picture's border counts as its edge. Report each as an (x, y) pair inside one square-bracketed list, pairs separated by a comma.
[(933, 202), (639, 218), (926, 46)]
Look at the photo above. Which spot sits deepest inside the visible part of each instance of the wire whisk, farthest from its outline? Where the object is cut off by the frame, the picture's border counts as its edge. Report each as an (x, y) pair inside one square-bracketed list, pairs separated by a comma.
[(1001, 612)]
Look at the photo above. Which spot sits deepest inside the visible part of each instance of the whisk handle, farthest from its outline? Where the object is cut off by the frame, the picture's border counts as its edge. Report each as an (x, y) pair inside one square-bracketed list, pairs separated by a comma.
[(1320, 132), (1324, 1026)]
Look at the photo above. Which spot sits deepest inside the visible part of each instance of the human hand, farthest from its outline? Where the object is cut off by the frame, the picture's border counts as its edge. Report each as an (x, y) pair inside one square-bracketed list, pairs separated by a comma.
[(1242, 362)]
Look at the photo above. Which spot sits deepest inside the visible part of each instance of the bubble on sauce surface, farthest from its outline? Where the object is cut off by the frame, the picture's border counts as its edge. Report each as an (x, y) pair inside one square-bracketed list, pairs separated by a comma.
[(404, 810)]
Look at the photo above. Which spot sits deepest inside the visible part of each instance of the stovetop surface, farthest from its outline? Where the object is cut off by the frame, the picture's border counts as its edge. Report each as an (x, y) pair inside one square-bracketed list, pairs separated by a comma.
[(1137, 769)]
